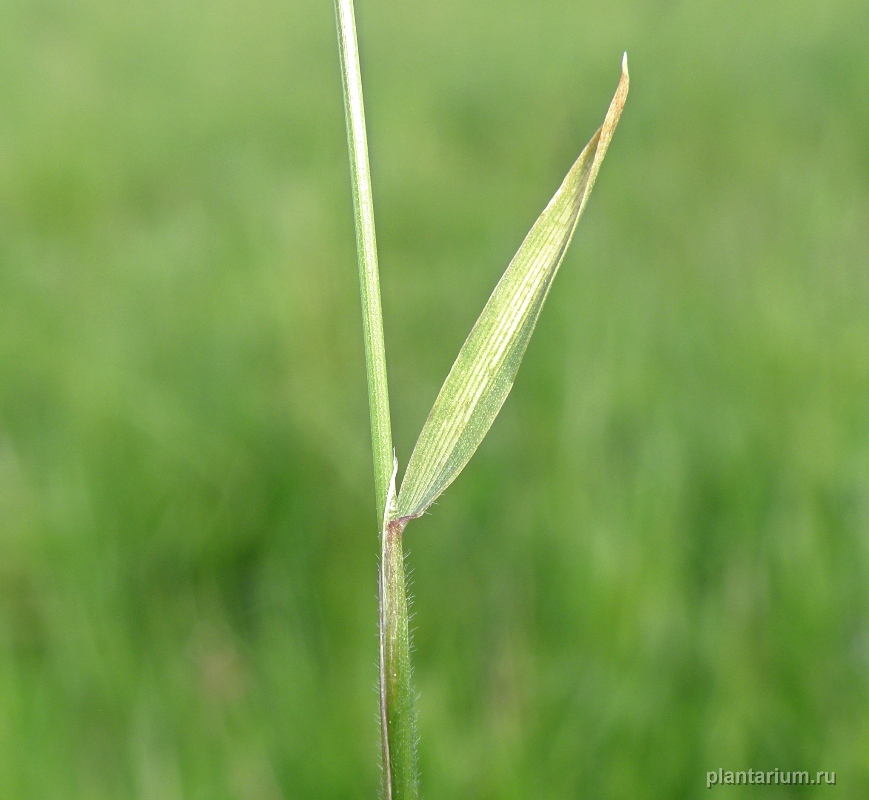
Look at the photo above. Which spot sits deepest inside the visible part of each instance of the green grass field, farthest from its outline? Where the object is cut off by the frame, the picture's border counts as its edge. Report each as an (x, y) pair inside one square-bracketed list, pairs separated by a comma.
[(655, 566)]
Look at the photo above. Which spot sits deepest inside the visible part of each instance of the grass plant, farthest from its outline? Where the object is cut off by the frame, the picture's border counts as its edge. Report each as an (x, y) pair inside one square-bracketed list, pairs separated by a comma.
[(655, 564), (469, 400)]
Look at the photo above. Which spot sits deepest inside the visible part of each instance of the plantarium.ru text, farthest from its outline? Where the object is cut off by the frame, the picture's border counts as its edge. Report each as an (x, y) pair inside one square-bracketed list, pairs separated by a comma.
[(773, 776)]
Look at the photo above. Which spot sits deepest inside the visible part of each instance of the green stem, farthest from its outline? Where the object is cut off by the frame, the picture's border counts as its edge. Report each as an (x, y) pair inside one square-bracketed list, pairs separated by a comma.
[(398, 719), (366, 244), (398, 736)]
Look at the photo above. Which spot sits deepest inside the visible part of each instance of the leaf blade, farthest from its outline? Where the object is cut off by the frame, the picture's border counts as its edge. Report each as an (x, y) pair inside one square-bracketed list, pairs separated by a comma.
[(484, 370)]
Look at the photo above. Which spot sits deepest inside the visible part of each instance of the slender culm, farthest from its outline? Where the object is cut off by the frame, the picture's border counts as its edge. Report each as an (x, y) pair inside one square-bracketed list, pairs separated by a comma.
[(366, 245), (397, 722)]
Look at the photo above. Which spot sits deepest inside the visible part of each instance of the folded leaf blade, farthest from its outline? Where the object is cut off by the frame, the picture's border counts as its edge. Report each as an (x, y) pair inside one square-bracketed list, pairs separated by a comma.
[(484, 371)]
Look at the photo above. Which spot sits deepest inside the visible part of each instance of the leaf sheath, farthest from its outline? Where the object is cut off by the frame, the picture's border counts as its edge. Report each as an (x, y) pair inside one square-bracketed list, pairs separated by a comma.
[(397, 716)]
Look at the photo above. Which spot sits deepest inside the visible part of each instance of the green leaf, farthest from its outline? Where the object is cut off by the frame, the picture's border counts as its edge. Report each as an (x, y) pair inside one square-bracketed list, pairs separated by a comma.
[(483, 373)]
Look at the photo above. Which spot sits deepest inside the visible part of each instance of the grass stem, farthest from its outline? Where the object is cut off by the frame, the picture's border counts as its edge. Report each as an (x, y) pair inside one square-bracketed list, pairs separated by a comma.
[(398, 736), (366, 245)]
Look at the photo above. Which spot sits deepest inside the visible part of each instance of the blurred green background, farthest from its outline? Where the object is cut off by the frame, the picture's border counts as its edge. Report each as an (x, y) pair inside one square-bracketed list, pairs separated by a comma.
[(656, 565)]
